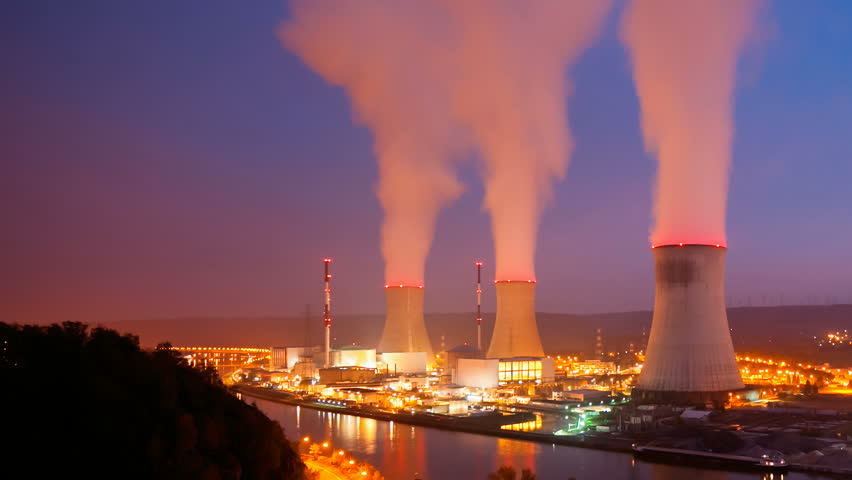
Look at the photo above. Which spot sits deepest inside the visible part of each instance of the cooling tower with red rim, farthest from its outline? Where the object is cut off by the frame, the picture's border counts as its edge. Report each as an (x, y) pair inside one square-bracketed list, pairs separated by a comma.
[(690, 356), (515, 331), (405, 329)]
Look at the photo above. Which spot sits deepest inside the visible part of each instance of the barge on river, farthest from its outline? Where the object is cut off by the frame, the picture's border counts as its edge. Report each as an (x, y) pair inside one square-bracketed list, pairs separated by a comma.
[(722, 461)]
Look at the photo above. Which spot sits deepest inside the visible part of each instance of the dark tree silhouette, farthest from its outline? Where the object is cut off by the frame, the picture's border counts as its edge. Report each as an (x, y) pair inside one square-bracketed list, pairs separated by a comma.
[(507, 472), (93, 404)]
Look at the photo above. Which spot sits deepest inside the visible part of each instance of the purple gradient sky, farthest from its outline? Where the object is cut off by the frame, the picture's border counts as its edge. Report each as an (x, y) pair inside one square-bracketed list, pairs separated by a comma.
[(167, 158)]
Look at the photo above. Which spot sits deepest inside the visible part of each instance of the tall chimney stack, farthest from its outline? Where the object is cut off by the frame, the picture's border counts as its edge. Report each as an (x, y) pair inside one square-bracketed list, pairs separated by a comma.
[(479, 306), (515, 331), (690, 357), (327, 314), (405, 329)]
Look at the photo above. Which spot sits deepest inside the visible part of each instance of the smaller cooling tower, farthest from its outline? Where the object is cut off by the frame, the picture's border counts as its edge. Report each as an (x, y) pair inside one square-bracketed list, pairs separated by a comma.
[(690, 357), (405, 329), (515, 331)]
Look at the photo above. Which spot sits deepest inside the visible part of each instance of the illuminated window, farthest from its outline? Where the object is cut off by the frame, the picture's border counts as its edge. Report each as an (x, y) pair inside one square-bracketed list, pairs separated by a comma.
[(519, 370)]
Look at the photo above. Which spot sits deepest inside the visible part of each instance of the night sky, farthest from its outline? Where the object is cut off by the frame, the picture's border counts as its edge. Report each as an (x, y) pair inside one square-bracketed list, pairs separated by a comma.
[(170, 158)]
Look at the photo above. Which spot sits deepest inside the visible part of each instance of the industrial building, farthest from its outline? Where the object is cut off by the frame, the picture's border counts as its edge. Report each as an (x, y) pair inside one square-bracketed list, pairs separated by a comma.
[(353, 356), (525, 369), (346, 375), (593, 367), (287, 357), (451, 362), (493, 372), (477, 372), (583, 395), (403, 362)]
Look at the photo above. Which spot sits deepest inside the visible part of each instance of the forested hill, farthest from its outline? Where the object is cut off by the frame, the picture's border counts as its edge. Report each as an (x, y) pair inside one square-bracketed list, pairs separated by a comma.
[(92, 404)]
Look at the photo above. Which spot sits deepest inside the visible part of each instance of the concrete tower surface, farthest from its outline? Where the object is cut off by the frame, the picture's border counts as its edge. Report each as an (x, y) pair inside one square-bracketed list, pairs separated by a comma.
[(690, 357), (515, 331), (405, 329)]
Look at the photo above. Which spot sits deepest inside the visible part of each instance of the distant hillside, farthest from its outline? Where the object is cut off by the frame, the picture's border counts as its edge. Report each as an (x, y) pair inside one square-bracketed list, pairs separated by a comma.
[(755, 329)]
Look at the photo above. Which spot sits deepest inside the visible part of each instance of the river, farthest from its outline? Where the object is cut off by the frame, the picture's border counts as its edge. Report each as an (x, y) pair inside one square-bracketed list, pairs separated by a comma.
[(404, 452)]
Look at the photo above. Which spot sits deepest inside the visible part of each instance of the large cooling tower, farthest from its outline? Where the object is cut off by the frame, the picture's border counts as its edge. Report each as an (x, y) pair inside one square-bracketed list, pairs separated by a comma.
[(405, 330), (515, 331), (690, 357)]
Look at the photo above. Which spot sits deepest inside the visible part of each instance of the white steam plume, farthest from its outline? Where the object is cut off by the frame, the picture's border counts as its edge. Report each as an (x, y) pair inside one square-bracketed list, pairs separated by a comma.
[(432, 78), (684, 57), (386, 55), (510, 88)]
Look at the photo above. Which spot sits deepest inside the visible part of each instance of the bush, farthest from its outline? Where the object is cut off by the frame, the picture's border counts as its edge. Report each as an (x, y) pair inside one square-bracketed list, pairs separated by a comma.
[(506, 472)]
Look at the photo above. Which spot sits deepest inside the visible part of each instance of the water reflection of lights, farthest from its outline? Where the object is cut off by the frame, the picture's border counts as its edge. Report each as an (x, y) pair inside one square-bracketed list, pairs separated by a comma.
[(530, 426), (437, 454), (518, 454), (370, 426)]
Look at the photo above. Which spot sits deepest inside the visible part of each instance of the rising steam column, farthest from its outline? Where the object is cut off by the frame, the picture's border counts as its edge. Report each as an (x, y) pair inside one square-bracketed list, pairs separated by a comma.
[(690, 357)]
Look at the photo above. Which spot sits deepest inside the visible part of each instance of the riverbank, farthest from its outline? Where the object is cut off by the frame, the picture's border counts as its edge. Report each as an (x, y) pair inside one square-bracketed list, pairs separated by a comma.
[(441, 422), (621, 445)]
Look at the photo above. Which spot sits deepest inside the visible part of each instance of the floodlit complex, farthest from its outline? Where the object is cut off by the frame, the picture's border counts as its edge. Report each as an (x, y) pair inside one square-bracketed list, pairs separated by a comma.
[(493, 372)]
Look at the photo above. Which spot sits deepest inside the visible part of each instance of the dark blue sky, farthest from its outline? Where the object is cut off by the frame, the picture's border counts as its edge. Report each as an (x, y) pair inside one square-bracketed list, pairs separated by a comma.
[(169, 158)]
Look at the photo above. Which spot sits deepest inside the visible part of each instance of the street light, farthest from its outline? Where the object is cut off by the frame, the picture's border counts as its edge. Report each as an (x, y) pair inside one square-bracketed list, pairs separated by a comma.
[(306, 439), (324, 444)]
